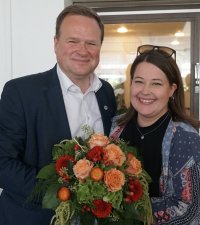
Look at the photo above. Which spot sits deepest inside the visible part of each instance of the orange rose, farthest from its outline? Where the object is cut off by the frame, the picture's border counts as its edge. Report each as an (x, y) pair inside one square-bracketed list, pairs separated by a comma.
[(113, 155), (114, 180), (82, 168), (134, 165), (98, 140)]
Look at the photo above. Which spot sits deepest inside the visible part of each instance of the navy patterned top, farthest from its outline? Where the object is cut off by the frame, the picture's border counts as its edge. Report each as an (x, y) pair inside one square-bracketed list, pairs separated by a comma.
[(178, 202)]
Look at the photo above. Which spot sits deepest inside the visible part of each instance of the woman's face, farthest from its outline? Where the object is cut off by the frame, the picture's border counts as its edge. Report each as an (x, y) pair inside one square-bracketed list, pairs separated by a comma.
[(150, 93)]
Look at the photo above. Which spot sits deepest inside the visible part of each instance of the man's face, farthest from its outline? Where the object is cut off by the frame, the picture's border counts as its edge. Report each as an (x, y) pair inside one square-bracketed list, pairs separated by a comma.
[(78, 46)]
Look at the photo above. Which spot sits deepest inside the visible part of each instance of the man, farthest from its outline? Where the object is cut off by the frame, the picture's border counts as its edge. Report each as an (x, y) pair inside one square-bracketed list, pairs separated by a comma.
[(40, 110)]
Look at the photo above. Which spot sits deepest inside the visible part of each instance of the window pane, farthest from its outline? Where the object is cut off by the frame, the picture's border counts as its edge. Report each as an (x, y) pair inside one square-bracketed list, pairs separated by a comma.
[(119, 51)]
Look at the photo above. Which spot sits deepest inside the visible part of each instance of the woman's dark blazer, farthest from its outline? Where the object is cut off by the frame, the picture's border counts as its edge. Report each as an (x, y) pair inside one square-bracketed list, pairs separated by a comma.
[(32, 119)]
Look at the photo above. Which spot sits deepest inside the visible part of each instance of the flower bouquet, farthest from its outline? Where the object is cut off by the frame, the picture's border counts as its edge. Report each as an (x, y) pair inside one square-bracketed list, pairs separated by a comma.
[(97, 180)]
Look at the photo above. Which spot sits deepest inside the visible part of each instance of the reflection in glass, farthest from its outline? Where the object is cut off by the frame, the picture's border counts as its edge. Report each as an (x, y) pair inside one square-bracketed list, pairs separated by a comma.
[(119, 50)]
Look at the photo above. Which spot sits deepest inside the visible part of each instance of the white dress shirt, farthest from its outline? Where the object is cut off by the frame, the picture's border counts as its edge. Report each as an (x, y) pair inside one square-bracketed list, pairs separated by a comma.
[(82, 108)]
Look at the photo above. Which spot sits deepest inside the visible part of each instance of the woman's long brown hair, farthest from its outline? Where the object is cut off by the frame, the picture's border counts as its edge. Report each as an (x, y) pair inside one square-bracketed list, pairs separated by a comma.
[(176, 102)]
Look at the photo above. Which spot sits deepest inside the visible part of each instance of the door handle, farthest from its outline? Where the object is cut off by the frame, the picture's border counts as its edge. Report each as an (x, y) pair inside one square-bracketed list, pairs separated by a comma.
[(197, 78)]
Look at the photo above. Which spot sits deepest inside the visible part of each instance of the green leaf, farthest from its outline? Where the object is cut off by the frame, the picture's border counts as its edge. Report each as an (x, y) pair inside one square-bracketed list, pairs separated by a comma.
[(65, 147), (47, 172), (146, 176), (70, 167), (131, 214), (50, 199)]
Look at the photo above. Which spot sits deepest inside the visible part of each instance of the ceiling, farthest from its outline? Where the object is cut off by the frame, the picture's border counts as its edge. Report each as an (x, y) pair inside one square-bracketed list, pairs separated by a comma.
[(119, 49), (160, 29), (161, 33)]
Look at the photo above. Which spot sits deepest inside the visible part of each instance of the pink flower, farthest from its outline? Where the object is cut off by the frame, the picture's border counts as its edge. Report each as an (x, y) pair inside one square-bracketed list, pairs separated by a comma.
[(113, 155), (134, 165), (98, 140), (114, 180), (82, 168)]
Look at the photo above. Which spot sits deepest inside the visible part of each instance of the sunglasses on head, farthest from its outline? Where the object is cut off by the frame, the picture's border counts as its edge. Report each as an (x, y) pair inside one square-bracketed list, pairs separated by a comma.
[(166, 51)]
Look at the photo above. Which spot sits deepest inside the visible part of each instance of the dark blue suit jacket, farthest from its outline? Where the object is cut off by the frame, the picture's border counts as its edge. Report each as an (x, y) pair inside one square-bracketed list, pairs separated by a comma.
[(32, 120)]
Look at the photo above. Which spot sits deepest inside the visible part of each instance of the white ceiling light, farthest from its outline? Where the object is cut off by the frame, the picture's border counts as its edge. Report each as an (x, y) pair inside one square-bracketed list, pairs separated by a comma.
[(122, 29), (175, 42), (179, 34)]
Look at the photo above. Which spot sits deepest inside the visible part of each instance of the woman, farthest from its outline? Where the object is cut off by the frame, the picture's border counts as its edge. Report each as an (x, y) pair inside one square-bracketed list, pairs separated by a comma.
[(157, 125)]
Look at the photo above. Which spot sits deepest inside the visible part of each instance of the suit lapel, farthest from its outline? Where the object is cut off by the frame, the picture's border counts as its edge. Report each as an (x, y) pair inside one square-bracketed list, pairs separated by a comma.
[(56, 104), (104, 108)]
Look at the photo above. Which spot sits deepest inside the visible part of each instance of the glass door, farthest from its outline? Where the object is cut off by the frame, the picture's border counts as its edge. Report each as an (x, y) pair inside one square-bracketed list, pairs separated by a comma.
[(124, 33), (120, 46)]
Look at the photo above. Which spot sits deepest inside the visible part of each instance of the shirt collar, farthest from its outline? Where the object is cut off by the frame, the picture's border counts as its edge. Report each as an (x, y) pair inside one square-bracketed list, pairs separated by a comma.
[(66, 83)]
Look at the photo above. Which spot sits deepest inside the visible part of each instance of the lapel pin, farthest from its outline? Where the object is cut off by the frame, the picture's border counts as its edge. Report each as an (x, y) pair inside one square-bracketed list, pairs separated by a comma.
[(105, 107)]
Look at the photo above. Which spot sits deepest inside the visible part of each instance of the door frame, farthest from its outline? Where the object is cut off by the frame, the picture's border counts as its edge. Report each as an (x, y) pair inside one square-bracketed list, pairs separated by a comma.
[(124, 5)]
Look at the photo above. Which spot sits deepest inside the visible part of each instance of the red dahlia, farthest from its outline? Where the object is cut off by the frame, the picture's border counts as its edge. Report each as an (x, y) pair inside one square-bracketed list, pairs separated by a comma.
[(95, 154), (61, 163), (101, 209)]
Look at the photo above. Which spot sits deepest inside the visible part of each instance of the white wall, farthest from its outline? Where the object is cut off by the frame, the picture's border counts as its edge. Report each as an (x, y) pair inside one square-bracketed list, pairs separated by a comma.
[(33, 28), (27, 30), (5, 42), (26, 36)]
